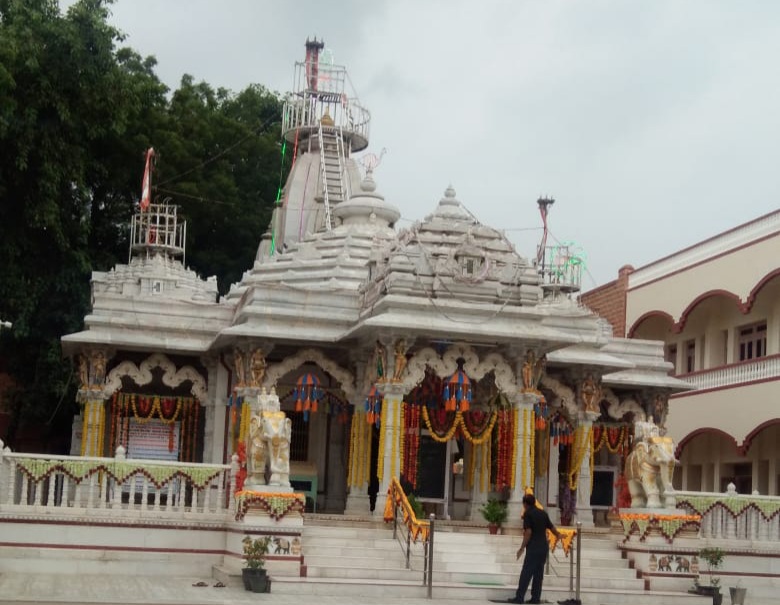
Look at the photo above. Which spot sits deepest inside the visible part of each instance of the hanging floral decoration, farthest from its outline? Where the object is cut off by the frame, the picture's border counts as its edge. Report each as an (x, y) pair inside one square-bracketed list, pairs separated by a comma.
[(169, 410), (359, 450), (505, 444), (541, 411), (337, 407), (443, 429), (561, 430), (306, 394), (457, 392), (613, 437), (275, 504), (411, 449), (733, 505), (373, 406), (580, 447), (667, 525), (396, 498)]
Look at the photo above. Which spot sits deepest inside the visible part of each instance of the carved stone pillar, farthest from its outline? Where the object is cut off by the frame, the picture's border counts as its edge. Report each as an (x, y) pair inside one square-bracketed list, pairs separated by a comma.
[(92, 396), (523, 404), (583, 444), (389, 458), (360, 431), (215, 431)]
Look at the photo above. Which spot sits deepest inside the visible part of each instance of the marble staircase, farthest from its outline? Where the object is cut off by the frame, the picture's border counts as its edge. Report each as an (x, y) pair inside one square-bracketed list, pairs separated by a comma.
[(361, 559)]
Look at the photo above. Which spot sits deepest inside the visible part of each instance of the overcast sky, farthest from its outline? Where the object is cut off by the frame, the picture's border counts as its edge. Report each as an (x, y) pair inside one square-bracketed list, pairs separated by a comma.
[(653, 124)]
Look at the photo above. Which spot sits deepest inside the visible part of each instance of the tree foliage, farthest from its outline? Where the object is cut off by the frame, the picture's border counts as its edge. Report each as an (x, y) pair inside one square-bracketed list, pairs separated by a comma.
[(77, 112)]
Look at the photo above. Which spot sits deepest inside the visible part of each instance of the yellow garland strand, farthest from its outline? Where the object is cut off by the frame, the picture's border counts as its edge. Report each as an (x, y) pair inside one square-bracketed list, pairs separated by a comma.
[(523, 441), (380, 459), (532, 433), (459, 421), (368, 433), (582, 439), (515, 424), (350, 458)]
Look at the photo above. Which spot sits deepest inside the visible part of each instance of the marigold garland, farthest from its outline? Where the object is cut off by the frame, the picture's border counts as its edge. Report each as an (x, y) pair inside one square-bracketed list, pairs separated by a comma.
[(351, 457), (396, 497), (402, 437), (458, 422), (668, 525), (582, 439), (277, 505), (380, 459)]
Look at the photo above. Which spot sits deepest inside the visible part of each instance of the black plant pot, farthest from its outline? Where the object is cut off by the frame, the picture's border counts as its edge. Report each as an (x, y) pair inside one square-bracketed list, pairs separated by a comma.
[(712, 591), (255, 580)]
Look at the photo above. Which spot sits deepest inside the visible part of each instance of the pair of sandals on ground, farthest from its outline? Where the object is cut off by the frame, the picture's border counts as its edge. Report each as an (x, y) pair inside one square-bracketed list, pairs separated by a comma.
[(203, 584)]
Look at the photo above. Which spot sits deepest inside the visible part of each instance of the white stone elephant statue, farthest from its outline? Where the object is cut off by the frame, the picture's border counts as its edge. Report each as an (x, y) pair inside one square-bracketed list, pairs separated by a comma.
[(268, 443), (649, 470)]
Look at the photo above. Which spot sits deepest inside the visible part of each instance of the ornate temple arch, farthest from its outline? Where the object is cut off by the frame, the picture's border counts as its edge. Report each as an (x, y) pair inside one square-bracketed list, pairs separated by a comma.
[(142, 375), (446, 365), (565, 397), (317, 357)]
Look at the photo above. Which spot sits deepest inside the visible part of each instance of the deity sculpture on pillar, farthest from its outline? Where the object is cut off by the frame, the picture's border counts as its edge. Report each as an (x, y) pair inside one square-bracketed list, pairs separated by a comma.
[(380, 357), (400, 360), (590, 394), (238, 362), (533, 370), (83, 372), (98, 369), (257, 367)]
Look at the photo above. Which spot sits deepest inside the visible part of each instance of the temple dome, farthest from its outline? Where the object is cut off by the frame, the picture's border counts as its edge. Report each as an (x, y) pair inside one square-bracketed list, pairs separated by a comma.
[(450, 254)]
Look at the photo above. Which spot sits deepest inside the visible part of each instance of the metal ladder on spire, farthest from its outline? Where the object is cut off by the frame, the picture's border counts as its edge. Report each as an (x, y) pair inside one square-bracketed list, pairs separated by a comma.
[(331, 166)]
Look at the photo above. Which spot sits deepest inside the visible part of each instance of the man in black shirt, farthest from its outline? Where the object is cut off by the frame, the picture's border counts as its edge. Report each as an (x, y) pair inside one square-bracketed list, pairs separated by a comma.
[(536, 522)]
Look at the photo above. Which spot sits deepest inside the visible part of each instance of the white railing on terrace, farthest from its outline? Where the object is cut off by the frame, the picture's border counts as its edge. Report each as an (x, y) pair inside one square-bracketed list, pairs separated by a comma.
[(37, 483), (734, 374), (733, 516)]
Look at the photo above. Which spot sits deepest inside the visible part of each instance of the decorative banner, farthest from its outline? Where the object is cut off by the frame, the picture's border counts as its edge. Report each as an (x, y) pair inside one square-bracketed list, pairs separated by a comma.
[(457, 392), (373, 406), (306, 394), (275, 504), (667, 525), (735, 506)]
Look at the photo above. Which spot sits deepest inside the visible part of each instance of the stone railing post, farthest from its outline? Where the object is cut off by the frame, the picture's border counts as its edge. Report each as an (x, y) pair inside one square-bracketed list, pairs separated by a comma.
[(234, 466)]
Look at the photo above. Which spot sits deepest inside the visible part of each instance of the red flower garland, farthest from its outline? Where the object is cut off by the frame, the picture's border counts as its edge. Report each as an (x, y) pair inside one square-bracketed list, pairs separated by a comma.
[(411, 443), (505, 443)]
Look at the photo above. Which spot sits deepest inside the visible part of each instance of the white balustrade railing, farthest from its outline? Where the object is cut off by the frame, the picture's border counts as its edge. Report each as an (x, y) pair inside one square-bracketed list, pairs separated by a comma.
[(732, 516), (36, 483), (734, 374)]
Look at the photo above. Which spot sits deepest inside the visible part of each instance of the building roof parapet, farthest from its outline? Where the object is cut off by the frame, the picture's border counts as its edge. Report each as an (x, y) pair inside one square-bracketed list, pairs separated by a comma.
[(725, 242)]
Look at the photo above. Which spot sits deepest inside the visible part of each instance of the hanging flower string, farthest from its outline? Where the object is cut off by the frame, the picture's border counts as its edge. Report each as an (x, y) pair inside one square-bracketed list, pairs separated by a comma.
[(439, 435), (667, 525), (412, 442)]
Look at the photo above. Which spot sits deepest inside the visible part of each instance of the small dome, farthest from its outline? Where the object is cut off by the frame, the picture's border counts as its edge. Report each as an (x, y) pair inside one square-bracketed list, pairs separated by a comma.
[(367, 206)]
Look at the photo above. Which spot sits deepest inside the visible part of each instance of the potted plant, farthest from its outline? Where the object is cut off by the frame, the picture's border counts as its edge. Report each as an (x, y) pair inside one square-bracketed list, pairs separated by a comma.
[(713, 557), (254, 574), (495, 513), (738, 593)]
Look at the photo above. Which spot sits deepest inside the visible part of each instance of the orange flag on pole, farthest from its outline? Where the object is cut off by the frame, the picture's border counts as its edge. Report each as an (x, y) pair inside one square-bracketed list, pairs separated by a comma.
[(146, 188)]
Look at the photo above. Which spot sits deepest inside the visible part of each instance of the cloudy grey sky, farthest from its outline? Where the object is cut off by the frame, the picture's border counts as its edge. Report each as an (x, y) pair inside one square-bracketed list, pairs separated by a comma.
[(653, 124)]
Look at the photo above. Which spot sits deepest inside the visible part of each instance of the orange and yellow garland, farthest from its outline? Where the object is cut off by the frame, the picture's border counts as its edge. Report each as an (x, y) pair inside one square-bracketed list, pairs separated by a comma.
[(397, 497)]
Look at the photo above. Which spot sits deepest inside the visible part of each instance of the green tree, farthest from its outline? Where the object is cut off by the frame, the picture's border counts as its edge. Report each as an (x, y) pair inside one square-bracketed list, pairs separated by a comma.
[(77, 113)]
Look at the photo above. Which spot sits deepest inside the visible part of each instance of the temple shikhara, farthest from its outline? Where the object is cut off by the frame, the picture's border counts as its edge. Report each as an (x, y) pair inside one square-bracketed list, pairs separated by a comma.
[(355, 359)]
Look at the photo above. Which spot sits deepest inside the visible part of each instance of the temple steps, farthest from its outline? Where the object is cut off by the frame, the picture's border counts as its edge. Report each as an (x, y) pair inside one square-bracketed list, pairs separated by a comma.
[(361, 559)]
